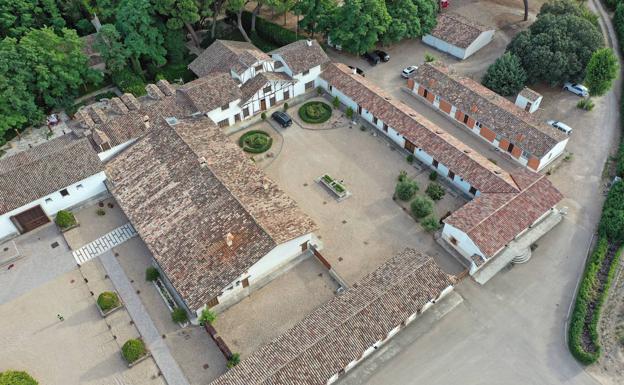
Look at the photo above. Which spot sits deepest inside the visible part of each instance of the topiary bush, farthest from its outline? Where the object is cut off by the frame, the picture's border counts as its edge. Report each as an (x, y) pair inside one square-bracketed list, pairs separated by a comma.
[(207, 317), (286, 106), (108, 300), (255, 141), (433, 176), (179, 315), (65, 219), (435, 191), (336, 102), (409, 159), (152, 274), (263, 116), (14, 377), (349, 112), (430, 223), (132, 350), (315, 112), (421, 207), (234, 360), (405, 189)]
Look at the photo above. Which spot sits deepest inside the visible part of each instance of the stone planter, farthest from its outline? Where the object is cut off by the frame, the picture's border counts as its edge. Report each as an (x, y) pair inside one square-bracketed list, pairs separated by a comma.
[(142, 358), (66, 229), (337, 188), (105, 314)]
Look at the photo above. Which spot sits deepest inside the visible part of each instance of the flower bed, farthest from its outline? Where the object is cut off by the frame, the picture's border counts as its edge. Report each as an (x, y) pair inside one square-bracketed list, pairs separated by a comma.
[(255, 141), (336, 187), (315, 112)]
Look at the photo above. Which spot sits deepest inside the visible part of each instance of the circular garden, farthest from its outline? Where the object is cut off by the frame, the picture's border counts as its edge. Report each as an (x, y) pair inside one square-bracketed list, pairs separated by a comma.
[(315, 112), (255, 141)]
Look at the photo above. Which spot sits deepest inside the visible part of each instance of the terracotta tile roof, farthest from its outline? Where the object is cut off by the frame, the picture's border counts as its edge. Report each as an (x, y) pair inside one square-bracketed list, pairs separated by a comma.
[(457, 30), (530, 94), (252, 86), (461, 159), (340, 331), (494, 220), (226, 55), (211, 91), (184, 188), (492, 110), (302, 55), (44, 169)]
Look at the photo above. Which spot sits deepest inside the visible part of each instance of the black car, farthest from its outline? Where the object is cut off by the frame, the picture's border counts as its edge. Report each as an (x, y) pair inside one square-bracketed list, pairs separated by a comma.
[(372, 58), (282, 118), (358, 70), (383, 55)]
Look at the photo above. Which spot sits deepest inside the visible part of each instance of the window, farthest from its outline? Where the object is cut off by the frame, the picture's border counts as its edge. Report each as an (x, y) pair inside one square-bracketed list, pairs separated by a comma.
[(466, 119), (309, 85), (266, 89), (225, 107), (48, 200), (64, 192), (224, 123), (374, 120), (385, 127), (245, 112), (451, 175), (478, 124), (258, 68), (213, 302), (473, 190), (425, 93), (79, 187), (526, 154), (306, 72), (453, 241), (286, 94), (331, 88), (434, 163), (436, 99)]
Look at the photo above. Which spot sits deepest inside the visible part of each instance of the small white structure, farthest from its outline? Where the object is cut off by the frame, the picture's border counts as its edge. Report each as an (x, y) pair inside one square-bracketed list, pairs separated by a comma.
[(528, 100), (458, 36)]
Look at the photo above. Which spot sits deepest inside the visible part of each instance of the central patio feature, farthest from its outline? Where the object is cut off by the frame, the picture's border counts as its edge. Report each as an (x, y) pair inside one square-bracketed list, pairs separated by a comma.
[(336, 187)]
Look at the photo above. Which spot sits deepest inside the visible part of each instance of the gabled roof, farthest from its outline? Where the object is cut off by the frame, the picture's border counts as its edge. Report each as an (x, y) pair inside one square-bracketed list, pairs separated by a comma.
[(494, 220), (340, 331), (302, 55), (187, 186), (211, 91), (530, 94), (49, 167), (492, 110), (252, 86), (457, 30), (227, 55), (461, 159)]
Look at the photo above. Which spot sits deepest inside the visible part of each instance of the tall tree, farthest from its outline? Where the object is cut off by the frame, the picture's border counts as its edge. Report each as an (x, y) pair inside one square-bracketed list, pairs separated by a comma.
[(505, 76), (217, 6), (19, 16), (141, 36), (602, 70), (180, 13), (359, 24), (316, 14), (109, 43), (238, 6), (410, 19), (526, 9)]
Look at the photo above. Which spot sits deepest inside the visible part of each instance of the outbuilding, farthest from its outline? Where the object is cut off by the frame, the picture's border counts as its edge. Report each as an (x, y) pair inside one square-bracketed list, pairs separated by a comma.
[(528, 100), (458, 36)]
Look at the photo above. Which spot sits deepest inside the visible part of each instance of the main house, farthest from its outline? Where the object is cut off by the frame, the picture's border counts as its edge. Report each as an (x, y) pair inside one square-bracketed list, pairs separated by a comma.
[(508, 212), (501, 123)]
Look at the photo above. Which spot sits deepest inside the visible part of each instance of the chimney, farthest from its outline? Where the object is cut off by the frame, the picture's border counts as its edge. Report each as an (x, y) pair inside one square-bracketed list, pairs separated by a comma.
[(118, 106), (97, 114), (146, 121), (130, 101), (229, 239), (309, 43), (202, 162), (154, 92), (165, 87)]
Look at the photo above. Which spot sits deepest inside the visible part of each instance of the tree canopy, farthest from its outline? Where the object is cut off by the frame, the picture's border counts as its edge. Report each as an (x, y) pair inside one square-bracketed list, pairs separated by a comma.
[(359, 24), (506, 76), (602, 70), (410, 19), (17, 17)]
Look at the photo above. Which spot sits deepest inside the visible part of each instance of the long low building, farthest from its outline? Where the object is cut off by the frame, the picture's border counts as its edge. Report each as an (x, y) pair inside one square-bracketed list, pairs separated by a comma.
[(458, 36), (337, 336), (505, 205), (501, 123)]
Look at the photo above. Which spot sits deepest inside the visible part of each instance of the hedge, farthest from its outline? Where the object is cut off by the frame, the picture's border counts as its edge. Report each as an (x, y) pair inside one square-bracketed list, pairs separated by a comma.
[(255, 141), (179, 315), (612, 220), (315, 112), (269, 31), (14, 377), (133, 349), (151, 274)]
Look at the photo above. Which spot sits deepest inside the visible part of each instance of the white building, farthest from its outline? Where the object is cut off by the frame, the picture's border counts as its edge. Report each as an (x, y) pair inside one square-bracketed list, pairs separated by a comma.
[(37, 183), (458, 36), (528, 100)]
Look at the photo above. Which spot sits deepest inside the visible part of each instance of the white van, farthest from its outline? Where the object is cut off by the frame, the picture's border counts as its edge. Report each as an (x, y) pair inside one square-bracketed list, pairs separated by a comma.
[(561, 126)]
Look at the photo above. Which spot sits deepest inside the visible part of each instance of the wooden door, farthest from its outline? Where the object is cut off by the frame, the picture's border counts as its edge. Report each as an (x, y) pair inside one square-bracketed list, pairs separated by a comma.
[(286, 94), (245, 282), (272, 100), (31, 219), (409, 146), (528, 106), (262, 105)]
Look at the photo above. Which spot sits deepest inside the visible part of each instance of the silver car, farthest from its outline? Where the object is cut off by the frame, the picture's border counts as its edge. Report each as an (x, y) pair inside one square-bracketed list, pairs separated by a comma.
[(409, 72), (576, 88), (560, 126)]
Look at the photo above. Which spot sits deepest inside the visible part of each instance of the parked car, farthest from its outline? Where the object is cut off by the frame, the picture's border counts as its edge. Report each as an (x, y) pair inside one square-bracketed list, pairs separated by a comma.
[(409, 72), (372, 58), (382, 55), (560, 126), (576, 88), (282, 118), (358, 70)]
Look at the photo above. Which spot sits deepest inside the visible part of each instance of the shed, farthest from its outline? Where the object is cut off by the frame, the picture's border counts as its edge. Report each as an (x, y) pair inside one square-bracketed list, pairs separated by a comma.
[(458, 36), (528, 100)]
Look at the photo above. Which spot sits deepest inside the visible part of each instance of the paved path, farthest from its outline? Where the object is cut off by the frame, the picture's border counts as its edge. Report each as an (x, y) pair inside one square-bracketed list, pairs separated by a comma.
[(152, 338), (104, 243)]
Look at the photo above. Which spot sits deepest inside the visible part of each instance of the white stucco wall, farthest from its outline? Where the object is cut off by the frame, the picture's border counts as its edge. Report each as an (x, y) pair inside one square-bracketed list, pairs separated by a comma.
[(553, 154), (443, 46), (230, 113), (52, 203), (521, 102), (465, 246), (484, 39)]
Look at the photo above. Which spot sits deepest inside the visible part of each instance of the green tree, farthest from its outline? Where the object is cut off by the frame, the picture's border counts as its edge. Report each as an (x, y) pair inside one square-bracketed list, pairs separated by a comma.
[(602, 70), (109, 43), (141, 36), (569, 7), (421, 207), (505, 76), (19, 16), (237, 7), (410, 19), (359, 24), (556, 49), (180, 13), (13, 377), (316, 14), (58, 66)]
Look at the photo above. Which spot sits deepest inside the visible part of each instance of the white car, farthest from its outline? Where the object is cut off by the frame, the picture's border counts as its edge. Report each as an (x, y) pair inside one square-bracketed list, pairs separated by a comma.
[(560, 126), (576, 88), (409, 72)]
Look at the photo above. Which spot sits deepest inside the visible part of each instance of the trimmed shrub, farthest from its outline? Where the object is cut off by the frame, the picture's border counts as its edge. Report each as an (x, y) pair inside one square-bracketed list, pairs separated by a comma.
[(65, 219), (349, 112), (179, 315), (433, 176), (421, 207), (263, 116), (286, 106), (255, 141), (402, 175), (14, 377), (336, 102), (234, 360), (108, 300), (409, 159), (315, 112), (133, 349), (612, 221), (406, 189), (585, 104), (429, 58), (435, 191), (319, 90), (152, 274), (207, 317), (430, 223), (100, 212), (271, 32)]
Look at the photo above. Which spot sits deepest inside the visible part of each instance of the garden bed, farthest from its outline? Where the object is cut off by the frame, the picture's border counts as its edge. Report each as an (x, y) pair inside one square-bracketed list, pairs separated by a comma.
[(134, 351), (166, 296), (315, 112), (108, 303), (334, 186), (255, 141)]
